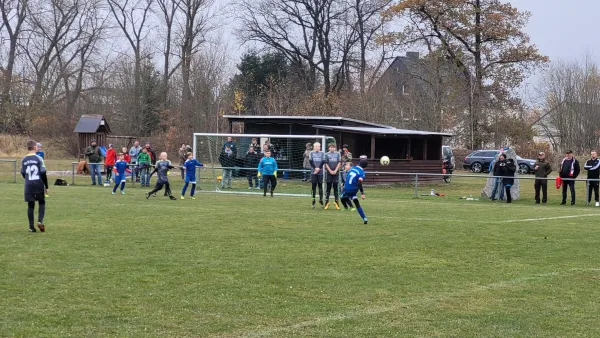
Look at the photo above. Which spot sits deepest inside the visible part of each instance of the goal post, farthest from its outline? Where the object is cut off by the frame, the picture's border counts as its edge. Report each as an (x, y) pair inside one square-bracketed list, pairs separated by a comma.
[(235, 173)]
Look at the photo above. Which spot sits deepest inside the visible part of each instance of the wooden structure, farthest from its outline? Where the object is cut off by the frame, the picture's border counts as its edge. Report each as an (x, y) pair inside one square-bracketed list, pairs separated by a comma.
[(410, 151), (91, 127)]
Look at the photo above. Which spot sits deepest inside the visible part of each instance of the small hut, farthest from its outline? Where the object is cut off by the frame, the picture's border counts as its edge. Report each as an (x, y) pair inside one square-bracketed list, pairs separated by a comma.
[(91, 127)]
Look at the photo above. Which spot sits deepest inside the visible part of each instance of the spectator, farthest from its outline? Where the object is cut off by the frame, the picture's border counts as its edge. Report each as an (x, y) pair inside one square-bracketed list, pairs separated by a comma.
[(593, 168), (306, 162), (569, 170), (497, 172), (109, 161), (134, 152), (151, 153), (127, 158), (227, 160), (144, 167), (346, 155), (231, 145), (256, 145), (507, 169), (542, 170), (94, 159), (40, 151), (182, 152), (251, 160)]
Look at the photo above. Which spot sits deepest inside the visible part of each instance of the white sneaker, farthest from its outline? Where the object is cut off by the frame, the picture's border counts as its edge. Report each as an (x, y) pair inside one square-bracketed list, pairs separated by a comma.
[(249, 188), (598, 204)]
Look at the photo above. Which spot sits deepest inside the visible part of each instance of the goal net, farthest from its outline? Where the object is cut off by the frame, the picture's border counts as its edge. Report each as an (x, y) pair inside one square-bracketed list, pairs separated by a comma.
[(230, 167)]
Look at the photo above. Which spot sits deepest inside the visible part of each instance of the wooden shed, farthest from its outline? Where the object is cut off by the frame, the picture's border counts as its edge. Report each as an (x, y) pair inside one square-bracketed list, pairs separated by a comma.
[(410, 151), (92, 127)]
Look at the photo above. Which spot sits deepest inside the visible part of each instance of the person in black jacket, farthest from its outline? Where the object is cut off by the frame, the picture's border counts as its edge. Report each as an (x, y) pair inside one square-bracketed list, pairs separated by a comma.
[(569, 170), (507, 169), (227, 160), (251, 161), (498, 186), (593, 168)]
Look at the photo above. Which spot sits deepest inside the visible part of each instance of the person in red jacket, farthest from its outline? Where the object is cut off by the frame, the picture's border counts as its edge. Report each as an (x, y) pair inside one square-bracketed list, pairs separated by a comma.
[(109, 161), (127, 157)]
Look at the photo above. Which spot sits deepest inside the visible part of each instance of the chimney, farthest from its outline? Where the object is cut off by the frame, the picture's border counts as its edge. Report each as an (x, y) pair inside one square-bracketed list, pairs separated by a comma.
[(412, 55)]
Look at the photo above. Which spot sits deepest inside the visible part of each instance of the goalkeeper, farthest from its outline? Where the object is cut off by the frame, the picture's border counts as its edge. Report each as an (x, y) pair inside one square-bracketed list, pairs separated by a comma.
[(267, 168), (354, 179)]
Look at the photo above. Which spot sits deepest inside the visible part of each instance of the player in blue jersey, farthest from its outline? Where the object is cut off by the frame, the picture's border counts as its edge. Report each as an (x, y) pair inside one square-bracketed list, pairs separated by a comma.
[(33, 171), (354, 179), (347, 167), (267, 168), (190, 166), (119, 169)]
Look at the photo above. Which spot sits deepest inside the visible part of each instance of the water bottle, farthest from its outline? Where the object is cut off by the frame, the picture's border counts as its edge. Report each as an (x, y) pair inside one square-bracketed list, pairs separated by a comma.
[(432, 192)]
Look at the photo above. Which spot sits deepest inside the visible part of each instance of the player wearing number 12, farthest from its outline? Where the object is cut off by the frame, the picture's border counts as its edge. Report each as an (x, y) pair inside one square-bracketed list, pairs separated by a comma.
[(33, 171), (354, 180)]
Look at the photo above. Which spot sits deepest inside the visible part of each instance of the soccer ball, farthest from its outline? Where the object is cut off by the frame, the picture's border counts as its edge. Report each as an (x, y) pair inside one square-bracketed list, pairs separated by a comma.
[(384, 160)]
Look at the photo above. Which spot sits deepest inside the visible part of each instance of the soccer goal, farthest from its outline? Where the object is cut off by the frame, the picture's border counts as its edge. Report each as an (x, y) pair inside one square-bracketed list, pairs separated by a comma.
[(229, 168)]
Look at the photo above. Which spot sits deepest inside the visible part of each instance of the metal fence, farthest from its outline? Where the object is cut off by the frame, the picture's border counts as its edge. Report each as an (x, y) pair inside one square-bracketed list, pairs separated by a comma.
[(14, 165), (419, 184)]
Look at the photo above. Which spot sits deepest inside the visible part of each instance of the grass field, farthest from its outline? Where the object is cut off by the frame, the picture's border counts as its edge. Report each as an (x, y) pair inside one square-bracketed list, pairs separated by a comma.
[(245, 266)]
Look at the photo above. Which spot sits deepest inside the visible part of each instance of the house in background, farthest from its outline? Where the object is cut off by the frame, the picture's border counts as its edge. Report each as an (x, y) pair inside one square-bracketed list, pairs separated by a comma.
[(425, 93)]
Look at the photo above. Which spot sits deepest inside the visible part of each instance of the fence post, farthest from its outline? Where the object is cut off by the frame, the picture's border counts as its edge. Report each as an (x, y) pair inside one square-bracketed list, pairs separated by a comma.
[(72, 173), (15, 171), (416, 185)]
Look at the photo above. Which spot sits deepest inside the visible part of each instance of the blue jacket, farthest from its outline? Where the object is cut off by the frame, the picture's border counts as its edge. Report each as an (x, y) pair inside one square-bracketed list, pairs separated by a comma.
[(267, 166)]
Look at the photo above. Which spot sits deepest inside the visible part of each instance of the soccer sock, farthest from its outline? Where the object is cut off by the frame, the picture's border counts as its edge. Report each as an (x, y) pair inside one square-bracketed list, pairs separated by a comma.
[(167, 189), (115, 187), (359, 209), (185, 185), (30, 209), (193, 189), (122, 185), (41, 211), (344, 203), (320, 192), (314, 190), (336, 193), (328, 192)]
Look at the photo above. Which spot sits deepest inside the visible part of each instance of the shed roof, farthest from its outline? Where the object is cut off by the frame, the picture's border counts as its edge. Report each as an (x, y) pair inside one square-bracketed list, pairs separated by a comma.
[(382, 131), (89, 124), (303, 118)]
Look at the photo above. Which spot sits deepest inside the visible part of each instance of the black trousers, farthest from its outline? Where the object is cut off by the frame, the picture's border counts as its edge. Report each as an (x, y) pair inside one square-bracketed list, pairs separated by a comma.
[(543, 186), (593, 185), (269, 179), (571, 186)]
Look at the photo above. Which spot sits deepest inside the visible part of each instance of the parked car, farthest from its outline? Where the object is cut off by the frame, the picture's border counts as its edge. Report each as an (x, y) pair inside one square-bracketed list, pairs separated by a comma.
[(479, 162), (526, 165)]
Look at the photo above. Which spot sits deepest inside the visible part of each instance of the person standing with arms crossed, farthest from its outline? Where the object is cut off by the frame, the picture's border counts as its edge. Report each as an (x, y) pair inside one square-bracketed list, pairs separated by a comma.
[(542, 170), (317, 162), (593, 168), (569, 170)]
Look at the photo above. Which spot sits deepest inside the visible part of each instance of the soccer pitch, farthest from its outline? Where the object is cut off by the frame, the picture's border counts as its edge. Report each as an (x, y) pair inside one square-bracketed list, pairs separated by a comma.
[(247, 266)]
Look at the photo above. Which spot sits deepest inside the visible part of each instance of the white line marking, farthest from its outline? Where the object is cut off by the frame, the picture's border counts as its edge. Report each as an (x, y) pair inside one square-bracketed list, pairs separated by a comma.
[(547, 218), (376, 310)]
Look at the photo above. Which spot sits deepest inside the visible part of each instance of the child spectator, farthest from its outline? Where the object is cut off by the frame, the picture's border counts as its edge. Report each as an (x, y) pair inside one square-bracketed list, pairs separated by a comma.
[(144, 167), (109, 161), (126, 154)]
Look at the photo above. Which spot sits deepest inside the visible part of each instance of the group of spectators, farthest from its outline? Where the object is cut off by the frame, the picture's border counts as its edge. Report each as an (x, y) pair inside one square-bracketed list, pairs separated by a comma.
[(504, 169), (139, 158)]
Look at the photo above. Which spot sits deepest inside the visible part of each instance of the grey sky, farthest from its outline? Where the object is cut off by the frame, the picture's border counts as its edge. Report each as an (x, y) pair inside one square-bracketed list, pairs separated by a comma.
[(563, 30)]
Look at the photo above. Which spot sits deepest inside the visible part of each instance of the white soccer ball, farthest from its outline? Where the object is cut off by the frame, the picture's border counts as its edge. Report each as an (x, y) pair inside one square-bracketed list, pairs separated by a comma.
[(384, 160)]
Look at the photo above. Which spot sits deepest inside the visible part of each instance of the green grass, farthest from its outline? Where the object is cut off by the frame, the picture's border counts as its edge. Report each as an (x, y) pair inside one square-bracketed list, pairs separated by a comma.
[(245, 266)]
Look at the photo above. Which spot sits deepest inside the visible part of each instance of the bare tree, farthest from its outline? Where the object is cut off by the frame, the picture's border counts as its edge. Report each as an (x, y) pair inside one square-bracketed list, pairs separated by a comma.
[(131, 16), (168, 11), (303, 30), (13, 13)]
